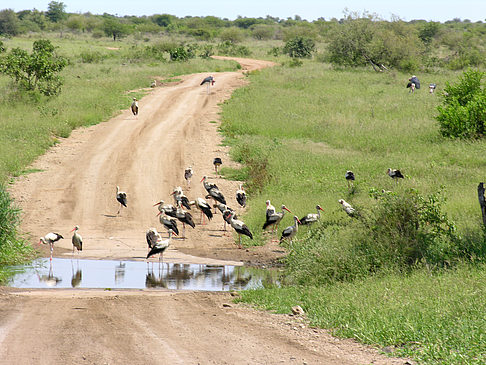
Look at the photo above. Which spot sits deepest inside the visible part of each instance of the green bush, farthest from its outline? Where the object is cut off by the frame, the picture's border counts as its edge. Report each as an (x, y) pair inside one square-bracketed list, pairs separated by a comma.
[(92, 57), (300, 47), (228, 48), (463, 110)]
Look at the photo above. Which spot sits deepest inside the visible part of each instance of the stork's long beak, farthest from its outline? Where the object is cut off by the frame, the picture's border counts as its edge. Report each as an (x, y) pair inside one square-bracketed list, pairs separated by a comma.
[(321, 209), (72, 229), (287, 209), (172, 193), (175, 234), (298, 220), (202, 180), (156, 204)]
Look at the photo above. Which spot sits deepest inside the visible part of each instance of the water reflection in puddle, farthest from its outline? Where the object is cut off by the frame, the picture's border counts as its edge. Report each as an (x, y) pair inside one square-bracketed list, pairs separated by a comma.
[(73, 273)]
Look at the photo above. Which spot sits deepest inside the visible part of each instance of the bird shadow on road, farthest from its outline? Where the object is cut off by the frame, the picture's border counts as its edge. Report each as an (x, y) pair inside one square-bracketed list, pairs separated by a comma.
[(215, 235), (109, 215)]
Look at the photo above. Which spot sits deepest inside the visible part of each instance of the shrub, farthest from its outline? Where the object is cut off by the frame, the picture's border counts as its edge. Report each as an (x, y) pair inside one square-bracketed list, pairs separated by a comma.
[(92, 57), (230, 49), (301, 47), (463, 110)]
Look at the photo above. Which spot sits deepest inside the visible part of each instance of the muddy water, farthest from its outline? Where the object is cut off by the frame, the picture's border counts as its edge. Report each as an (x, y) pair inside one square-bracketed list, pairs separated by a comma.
[(75, 273)]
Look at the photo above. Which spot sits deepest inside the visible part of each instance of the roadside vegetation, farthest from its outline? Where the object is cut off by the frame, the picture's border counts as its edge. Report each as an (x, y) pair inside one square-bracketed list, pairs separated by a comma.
[(406, 273)]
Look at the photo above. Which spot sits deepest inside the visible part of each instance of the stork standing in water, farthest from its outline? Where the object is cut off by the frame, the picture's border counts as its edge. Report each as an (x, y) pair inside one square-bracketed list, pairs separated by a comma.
[(77, 240), (152, 237), (312, 217), (209, 81), (204, 207), (240, 228), (349, 176), (347, 207), (50, 238), (185, 218), (167, 222), (217, 162), (134, 106), (168, 209), (290, 232), (241, 196), (273, 219), (395, 174), (121, 196), (188, 175), (160, 247)]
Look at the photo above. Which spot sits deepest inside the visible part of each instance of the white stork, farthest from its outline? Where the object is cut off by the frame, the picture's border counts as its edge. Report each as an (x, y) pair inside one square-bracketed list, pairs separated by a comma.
[(185, 218), (188, 175), (312, 217), (152, 237), (226, 213), (134, 106), (168, 209), (179, 197), (347, 207), (50, 238), (290, 231), (207, 185), (160, 247), (395, 174), (241, 196), (240, 228), (273, 219), (167, 222), (121, 196), (204, 207), (77, 240)]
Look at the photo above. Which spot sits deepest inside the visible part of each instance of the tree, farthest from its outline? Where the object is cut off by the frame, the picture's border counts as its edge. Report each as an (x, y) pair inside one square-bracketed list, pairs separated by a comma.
[(9, 22), (233, 35), (38, 70), (300, 47), (463, 110), (114, 28), (56, 11)]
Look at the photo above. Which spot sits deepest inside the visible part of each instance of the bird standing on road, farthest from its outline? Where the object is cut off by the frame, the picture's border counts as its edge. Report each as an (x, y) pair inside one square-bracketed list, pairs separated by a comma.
[(188, 175), (290, 232), (347, 207), (207, 185), (134, 106), (167, 222), (240, 228), (121, 196), (312, 217), (77, 239), (160, 247), (204, 207), (168, 209), (180, 197), (209, 81), (50, 238), (241, 196), (395, 174), (185, 218), (217, 162)]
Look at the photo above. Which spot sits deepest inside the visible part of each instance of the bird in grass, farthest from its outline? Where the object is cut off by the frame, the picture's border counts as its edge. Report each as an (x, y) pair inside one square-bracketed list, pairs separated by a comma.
[(241, 196), (188, 175), (274, 219), (312, 217), (77, 239), (347, 207), (134, 106), (395, 174), (432, 88), (121, 196), (168, 222), (349, 176), (153, 84), (160, 246), (240, 227), (49, 239), (217, 162), (290, 232)]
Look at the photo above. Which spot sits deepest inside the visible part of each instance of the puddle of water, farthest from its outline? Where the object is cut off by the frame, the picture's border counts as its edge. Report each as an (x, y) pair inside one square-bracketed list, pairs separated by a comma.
[(73, 273)]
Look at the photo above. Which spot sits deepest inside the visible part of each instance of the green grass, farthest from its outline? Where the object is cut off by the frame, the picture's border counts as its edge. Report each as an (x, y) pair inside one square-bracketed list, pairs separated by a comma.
[(433, 318)]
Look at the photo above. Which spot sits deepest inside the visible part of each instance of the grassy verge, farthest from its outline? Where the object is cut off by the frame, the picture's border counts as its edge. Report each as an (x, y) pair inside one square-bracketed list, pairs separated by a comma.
[(297, 131)]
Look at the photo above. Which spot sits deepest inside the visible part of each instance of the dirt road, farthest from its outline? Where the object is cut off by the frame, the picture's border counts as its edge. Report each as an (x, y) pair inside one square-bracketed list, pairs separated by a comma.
[(145, 155)]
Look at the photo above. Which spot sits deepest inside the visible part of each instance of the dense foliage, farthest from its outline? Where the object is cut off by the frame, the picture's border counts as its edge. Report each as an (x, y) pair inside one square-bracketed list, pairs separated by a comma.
[(463, 112)]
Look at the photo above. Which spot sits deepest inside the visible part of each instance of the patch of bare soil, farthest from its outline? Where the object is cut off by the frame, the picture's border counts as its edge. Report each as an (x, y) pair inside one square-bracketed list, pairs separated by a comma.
[(146, 155)]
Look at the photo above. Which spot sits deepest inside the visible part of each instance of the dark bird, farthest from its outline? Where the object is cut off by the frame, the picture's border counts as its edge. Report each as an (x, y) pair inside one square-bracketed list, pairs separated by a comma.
[(121, 196), (185, 218), (152, 237), (207, 185), (432, 88), (240, 228), (134, 106), (77, 240), (347, 207), (241, 196), (204, 207), (160, 247), (413, 83), (312, 217), (168, 222), (50, 238), (226, 212), (168, 209), (273, 219), (217, 162), (395, 174), (349, 176), (290, 232), (210, 80), (188, 175)]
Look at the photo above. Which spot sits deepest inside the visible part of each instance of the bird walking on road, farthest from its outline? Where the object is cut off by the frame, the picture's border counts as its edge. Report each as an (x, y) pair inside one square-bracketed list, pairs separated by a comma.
[(290, 232), (179, 197), (121, 196), (188, 175), (204, 207), (207, 185), (168, 222), (77, 240), (209, 81), (395, 174), (185, 218), (241, 196), (168, 209), (217, 162), (160, 247), (347, 207), (240, 227), (134, 106), (312, 217), (50, 239)]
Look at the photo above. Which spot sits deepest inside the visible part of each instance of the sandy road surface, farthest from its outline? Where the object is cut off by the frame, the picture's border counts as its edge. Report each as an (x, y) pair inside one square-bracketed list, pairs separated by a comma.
[(145, 155)]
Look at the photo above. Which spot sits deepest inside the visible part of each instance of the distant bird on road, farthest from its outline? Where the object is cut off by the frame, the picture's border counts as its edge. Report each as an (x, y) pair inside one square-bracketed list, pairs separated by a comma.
[(188, 175), (134, 106), (395, 174), (207, 185), (290, 232), (121, 196), (77, 239), (312, 217), (168, 222), (160, 247), (347, 207), (240, 228), (49, 239), (168, 209), (217, 162), (185, 218), (209, 80), (241, 196), (204, 207), (349, 176), (180, 197)]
